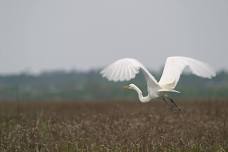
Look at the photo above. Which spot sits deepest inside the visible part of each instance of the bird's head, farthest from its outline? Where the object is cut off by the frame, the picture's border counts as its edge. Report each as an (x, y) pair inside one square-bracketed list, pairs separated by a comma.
[(130, 87)]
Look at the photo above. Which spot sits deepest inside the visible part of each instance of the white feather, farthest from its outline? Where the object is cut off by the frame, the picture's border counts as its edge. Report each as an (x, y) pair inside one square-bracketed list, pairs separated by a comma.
[(174, 67), (127, 68)]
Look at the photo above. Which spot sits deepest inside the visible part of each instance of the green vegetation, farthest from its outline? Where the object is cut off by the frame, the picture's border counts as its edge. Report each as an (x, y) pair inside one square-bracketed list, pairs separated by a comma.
[(61, 85)]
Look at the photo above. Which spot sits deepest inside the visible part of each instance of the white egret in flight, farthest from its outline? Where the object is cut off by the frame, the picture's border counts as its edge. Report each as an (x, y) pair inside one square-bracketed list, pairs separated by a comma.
[(127, 68)]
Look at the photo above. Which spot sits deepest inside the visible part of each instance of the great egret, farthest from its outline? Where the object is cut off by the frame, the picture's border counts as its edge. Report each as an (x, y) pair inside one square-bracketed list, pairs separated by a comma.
[(127, 68)]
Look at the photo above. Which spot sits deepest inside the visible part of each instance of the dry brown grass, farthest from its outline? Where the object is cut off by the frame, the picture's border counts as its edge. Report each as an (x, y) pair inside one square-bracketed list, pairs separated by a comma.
[(110, 126)]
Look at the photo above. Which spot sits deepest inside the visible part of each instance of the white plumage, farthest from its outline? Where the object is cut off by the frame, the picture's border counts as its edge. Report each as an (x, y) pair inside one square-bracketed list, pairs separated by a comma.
[(127, 68), (174, 67)]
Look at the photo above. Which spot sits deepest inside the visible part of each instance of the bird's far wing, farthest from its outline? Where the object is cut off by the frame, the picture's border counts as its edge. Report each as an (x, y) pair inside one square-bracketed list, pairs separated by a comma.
[(174, 66), (125, 70)]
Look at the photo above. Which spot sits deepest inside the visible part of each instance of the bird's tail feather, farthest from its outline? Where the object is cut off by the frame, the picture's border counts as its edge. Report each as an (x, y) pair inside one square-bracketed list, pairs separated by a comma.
[(166, 90)]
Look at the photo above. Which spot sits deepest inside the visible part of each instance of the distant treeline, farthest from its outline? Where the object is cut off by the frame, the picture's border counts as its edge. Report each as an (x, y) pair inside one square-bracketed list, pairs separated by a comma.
[(75, 85)]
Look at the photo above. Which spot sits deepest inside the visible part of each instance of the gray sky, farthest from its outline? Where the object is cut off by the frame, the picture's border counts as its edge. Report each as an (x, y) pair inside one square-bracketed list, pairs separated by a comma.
[(39, 35)]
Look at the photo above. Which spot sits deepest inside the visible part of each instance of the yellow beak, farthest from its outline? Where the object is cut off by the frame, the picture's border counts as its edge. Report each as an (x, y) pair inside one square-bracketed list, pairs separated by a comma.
[(126, 87)]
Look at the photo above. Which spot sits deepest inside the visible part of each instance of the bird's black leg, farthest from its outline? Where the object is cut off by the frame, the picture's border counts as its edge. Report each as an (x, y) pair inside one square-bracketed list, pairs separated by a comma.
[(173, 102), (166, 101), (163, 98)]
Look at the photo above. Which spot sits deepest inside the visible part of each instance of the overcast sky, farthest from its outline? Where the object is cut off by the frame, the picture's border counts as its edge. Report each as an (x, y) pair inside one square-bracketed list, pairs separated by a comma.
[(38, 35)]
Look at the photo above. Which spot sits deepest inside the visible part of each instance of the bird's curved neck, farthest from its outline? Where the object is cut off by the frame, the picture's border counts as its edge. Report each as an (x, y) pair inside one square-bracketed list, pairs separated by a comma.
[(141, 98)]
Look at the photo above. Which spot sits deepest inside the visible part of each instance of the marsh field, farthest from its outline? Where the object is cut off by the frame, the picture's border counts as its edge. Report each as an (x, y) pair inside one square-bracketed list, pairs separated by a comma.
[(201, 126)]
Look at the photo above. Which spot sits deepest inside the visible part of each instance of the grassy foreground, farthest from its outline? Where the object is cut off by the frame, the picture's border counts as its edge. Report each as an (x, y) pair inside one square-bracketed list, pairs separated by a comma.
[(113, 126)]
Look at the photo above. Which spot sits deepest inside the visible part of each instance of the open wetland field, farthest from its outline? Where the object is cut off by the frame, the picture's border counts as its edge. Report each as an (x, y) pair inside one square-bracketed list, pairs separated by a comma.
[(201, 126)]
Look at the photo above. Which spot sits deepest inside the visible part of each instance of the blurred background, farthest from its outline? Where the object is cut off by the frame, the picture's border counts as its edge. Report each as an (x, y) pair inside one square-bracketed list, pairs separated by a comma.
[(53, 49)]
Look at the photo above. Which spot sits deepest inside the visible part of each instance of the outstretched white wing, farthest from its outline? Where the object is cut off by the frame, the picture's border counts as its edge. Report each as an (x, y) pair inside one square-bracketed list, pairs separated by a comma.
[(125, 70), (174, 66)]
